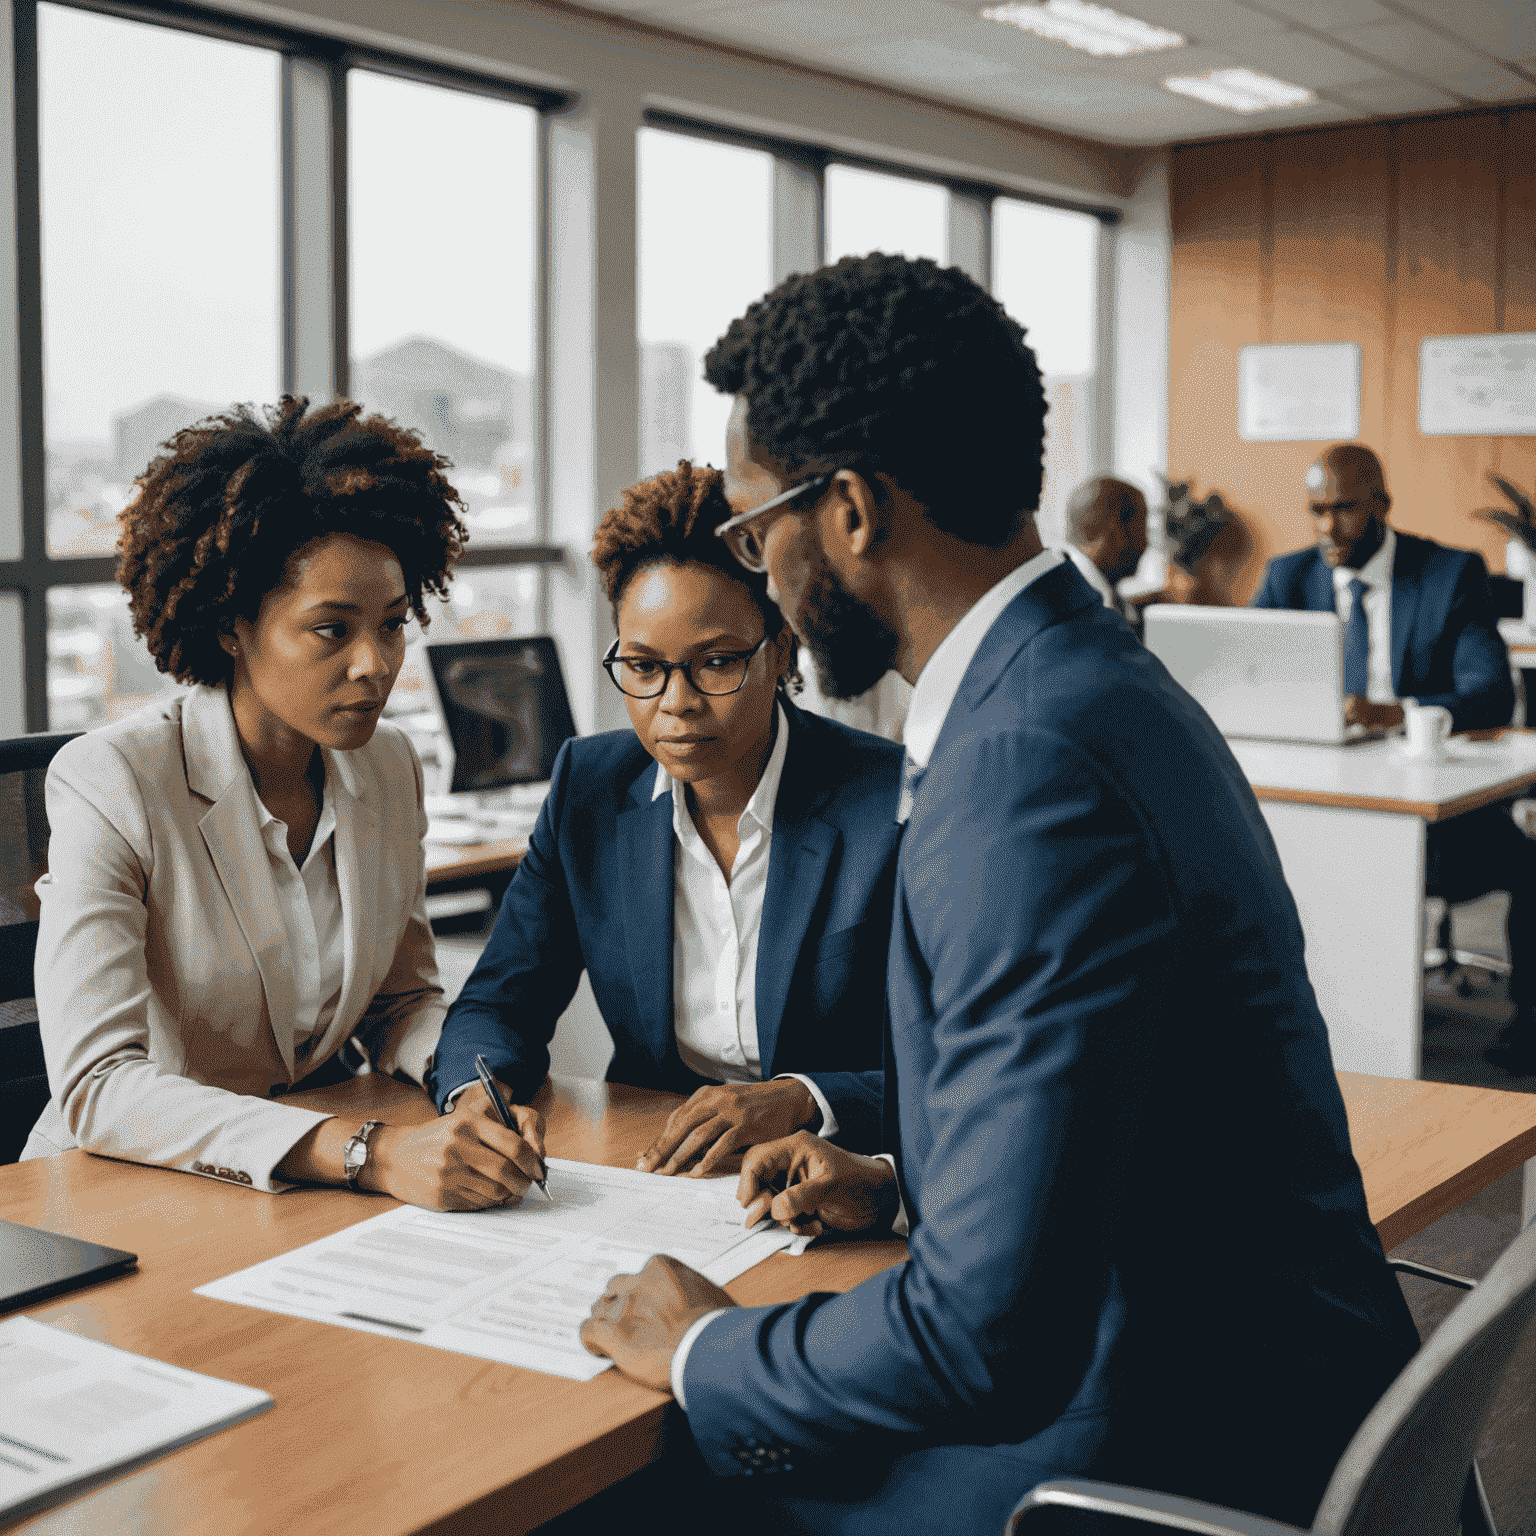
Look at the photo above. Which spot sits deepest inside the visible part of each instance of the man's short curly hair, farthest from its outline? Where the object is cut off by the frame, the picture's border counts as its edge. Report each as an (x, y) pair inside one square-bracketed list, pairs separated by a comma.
[(882, 364), (221, 512)]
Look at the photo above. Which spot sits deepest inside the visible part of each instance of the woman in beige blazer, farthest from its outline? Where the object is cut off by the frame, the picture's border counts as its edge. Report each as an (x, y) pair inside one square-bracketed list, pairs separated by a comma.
[(236, 881)]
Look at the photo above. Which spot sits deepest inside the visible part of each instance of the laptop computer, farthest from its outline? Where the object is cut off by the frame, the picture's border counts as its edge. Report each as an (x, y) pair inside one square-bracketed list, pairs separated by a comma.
[(1272, 673), (35, 1264)]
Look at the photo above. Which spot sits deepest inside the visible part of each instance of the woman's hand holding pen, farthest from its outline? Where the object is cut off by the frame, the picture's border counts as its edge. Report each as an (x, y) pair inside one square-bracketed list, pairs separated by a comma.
[(464, 1161), (809, 1184), (725, 1119)]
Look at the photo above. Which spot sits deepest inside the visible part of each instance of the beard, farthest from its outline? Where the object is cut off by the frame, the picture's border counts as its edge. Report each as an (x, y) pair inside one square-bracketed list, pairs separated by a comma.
[(850, 645)]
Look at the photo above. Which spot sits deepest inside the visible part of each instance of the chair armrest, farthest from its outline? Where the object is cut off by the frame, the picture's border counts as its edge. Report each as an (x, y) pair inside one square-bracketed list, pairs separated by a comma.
[(1139, 1504), (1424, 1272)]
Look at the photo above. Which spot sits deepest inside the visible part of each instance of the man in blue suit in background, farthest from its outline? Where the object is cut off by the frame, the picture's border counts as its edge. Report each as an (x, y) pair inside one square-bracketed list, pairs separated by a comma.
[(1139, 1246), (1419, 624)]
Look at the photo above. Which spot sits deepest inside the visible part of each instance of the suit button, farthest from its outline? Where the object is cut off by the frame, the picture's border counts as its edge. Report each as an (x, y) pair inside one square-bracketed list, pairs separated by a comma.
[(243, 1177)]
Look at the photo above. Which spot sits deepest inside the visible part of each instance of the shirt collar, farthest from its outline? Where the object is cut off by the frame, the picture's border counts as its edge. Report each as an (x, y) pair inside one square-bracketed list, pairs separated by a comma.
[(1090, 573), (1376, 572), (939, 681), (760, 806), (324, 827)]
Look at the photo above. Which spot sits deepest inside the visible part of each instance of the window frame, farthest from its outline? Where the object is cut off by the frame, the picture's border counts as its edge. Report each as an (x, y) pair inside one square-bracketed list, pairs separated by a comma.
[(36, 572)]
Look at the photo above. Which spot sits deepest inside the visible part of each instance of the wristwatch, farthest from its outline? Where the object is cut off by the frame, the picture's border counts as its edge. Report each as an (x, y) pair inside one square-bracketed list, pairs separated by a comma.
[(355, 1154)]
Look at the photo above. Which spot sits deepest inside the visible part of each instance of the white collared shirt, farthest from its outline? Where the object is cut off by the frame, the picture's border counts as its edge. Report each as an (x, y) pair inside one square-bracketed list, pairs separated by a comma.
[(935, 690), (309, 903), (1376, 573), (1093, 576)]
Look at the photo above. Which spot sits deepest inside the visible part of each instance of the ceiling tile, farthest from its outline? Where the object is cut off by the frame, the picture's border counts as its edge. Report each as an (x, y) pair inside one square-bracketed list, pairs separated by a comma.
[(1390, 95), (1325, 15), (799, 26), (916, 59), (1410, 46), (1202, 21), (1304, 60), (1154, 68), (1504, 28), (1490, 83)]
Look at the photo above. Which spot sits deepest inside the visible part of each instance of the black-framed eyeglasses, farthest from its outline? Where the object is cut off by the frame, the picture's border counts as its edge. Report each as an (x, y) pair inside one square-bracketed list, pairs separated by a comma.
[(715, 673), (746, 538)]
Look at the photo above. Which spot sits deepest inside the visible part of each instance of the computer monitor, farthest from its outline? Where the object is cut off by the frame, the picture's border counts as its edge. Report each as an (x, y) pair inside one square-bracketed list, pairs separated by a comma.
[(505, 708)]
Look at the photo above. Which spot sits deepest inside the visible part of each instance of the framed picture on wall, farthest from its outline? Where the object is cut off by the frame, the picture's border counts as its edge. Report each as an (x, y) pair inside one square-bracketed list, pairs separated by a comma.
[(1299, 393)]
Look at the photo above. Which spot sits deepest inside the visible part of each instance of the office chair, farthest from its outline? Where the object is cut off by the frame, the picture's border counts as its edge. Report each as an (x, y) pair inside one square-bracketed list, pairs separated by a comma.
[(1410, 1469), (23, 857)]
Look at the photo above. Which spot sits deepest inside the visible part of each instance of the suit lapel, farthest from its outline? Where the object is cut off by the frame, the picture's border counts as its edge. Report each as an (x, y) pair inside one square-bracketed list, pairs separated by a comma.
[(1318, 587), (230, 827), (798, 861), (357, 855), (645, 863), (1406, 587)]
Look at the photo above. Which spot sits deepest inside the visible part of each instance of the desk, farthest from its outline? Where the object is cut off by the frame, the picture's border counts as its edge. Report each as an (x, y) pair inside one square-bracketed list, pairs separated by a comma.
[(376, 1437), (451, 867), (1349, 823)]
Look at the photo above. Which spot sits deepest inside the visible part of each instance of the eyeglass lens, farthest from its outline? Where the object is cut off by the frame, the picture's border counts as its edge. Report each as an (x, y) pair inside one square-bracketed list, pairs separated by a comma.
[(643, 678)]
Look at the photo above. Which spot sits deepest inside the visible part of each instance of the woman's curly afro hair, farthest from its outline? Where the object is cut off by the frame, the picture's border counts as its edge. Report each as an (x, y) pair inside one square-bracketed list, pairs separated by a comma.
[(671, 518), (222, 511), (884, 365)]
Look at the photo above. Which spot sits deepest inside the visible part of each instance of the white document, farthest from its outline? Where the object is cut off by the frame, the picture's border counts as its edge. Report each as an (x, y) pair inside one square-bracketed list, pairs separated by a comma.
[(1291, 394), (72, 1409), (515, 1283), (1477, 386)]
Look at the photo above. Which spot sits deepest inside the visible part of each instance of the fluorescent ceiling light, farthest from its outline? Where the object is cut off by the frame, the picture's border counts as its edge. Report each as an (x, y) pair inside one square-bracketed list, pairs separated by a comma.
[(1240, 90), (1091, 28)]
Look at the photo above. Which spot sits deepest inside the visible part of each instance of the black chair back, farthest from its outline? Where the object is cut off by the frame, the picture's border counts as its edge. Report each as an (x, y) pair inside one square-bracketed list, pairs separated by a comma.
[(23, 859)]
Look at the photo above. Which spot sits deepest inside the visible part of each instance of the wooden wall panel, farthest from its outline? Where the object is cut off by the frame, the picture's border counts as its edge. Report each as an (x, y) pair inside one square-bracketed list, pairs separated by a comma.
[(1219, 197), (1380, 235)]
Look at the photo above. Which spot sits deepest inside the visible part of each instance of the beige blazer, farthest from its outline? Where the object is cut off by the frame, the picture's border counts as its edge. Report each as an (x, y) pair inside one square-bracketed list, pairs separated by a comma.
[(163, 986)]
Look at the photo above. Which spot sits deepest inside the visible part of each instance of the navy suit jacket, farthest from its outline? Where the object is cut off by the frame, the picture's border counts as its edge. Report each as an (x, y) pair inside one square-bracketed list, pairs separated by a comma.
[(1140, 1247), (595, 893), (1446, 647)]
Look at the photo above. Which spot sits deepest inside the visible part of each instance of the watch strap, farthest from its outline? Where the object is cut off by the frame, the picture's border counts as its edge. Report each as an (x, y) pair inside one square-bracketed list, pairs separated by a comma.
[(354, 1156)]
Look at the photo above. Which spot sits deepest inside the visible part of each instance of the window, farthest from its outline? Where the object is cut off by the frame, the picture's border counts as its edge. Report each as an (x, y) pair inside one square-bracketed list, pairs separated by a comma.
[(705, 253), (1045, 274), (161, 228), (870, 211), (442, 313)]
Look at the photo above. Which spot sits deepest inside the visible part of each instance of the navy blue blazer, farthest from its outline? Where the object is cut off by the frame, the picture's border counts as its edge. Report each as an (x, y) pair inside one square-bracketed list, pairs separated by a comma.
[(595, 893), (1446, 647), (1140, 1246)]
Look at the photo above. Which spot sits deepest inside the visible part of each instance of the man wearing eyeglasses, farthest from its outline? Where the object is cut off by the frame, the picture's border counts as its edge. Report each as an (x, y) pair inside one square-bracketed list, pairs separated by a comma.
[(1419, 624), (1139, 1247)]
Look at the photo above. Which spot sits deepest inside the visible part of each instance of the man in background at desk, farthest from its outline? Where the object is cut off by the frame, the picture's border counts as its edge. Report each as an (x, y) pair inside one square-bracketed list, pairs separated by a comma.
[(1106, 538), (1119, 1265), (1419, 623)]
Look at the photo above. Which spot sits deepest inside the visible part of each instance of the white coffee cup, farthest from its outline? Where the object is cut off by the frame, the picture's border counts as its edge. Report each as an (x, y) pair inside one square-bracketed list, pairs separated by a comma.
[(1428, 727)]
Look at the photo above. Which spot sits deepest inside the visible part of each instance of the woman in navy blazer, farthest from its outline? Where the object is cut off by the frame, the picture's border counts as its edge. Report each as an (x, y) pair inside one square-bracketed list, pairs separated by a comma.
[(729, 834)]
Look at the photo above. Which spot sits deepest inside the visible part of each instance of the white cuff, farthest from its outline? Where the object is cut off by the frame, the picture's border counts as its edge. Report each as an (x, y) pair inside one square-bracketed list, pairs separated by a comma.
[(828, 1120), (453, 1098), (680, 1354), (901, 1227)]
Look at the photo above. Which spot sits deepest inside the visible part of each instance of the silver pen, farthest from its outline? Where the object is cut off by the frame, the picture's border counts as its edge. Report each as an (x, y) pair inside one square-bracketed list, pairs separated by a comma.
[(504, 1114)]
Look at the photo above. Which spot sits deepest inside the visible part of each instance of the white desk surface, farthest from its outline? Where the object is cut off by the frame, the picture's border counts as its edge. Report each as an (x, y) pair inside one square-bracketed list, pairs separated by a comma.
[(1519, 637), (1380, 776)]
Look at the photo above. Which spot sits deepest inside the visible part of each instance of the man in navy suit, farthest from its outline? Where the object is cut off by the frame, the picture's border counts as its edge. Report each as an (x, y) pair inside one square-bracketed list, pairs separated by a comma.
[(1139, 1246), (1419, 623)]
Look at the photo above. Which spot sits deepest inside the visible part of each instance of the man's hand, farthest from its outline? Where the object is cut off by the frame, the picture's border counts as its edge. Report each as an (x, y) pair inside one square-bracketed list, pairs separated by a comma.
[(639, 1321), (1376, 717), (464, 1161), (808, 1184), (719, 1121)]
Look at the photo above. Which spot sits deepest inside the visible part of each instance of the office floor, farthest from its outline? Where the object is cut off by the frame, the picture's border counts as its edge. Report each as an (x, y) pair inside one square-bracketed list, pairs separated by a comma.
[(1466, 1242)]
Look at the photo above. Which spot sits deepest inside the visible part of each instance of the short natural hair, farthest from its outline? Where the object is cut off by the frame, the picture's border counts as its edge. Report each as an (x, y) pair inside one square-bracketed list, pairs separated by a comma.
[(219, 515), (882, 364)]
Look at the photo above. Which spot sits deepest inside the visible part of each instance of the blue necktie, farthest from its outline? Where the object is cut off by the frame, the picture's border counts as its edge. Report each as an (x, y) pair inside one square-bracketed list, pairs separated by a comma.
[(1357, 642)]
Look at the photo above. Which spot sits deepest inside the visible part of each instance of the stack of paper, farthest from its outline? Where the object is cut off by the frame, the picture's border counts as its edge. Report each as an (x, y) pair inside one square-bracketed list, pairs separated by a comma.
[(72, 1409), (515, 1283)]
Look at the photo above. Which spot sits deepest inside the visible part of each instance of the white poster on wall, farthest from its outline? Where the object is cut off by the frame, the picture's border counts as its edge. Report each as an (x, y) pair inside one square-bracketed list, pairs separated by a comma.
[(1478, 386), (1299, 394)]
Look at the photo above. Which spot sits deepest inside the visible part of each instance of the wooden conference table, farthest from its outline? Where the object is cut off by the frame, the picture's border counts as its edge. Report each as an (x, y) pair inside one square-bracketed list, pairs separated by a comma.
[(1350, 825), (378, 1437)]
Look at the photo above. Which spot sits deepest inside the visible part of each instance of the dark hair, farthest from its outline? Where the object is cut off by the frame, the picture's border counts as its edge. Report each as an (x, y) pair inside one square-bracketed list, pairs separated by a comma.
[(221, 512), (884, 364), (671, 518)]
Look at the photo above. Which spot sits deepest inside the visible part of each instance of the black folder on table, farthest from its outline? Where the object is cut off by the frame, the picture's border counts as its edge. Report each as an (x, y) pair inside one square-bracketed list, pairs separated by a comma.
[(36, 1264)]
